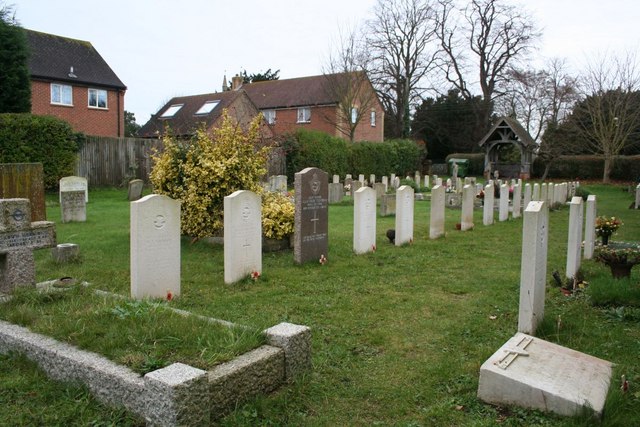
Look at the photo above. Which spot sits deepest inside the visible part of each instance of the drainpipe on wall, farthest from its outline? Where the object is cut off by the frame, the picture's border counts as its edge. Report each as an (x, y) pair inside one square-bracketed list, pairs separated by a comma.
[(118, 115)]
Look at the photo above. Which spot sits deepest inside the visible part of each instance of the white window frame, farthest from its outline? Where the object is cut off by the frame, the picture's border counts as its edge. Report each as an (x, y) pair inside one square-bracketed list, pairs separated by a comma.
[(59, 94), (354, 115), (304, 115), (373, 118), (171, 111), (269, 116), (97, 93), (207, 107)]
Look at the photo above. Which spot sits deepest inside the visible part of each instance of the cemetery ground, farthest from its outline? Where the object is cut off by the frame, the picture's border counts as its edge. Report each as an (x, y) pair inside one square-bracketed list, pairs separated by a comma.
[(398, 335)]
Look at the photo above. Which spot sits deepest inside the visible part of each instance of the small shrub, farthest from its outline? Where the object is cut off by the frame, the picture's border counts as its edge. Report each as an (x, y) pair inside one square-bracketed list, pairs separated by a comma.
[(476, 162), (278, 213), (582, 192), (27, 138)]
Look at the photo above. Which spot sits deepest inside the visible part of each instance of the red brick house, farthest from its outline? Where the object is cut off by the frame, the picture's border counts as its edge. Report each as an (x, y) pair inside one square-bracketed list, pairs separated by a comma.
[(328, 103), (71, 81), (185, 114)]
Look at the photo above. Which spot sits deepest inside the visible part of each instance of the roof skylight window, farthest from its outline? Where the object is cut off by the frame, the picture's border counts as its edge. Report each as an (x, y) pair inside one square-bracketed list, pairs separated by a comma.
[(207, 107), (171, 111)]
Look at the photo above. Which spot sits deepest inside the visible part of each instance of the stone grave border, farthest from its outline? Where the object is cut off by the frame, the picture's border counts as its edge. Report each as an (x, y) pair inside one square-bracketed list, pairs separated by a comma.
[(176, 395)]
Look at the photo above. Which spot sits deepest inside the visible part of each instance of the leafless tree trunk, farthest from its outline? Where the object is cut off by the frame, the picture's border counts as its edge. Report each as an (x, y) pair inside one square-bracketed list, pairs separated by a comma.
[(400, 35), (487, 36), (610, 86), (347, 82)]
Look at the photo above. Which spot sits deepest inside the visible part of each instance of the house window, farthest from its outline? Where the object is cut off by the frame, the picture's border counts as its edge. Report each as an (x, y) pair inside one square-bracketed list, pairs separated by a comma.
[(270, 116), (171, 111), (304, 115), (354, 115), (61, 94), (373, 118), (97, 98), (207, 107)]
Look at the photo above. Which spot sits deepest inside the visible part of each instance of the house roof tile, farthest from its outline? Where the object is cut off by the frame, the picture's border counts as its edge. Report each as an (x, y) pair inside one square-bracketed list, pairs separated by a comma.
[(52, 56), (288, 93)]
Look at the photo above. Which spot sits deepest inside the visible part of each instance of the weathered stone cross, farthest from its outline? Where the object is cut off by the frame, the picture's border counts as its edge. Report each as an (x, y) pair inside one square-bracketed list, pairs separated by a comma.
[(19, 237)]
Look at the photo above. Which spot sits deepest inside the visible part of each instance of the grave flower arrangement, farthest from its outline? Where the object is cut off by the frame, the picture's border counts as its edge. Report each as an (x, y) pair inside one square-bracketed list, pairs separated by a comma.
[(620, 257), (606, 226)]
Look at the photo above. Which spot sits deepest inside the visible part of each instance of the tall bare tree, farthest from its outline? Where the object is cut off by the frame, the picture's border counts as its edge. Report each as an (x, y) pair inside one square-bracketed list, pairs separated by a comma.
[(399, 39), (611, 106), (487, 36), (347, 82)]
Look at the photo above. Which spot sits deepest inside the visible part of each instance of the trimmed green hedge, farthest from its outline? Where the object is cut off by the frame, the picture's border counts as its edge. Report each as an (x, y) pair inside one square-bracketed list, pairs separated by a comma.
[(26, 138), (337, 156), (476, 162), (625, 168)]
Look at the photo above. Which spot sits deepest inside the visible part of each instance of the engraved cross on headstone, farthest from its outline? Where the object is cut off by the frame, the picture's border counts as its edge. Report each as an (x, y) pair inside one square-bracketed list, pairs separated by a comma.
[(19, 237), (315, 220)]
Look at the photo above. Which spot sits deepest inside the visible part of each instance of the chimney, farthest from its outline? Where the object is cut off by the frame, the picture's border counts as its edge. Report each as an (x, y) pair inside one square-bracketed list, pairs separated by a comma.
[(236, 82)]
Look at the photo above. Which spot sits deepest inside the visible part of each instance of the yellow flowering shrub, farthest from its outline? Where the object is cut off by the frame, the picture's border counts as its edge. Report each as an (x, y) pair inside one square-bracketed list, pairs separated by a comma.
[(277, 215), (211, 166)]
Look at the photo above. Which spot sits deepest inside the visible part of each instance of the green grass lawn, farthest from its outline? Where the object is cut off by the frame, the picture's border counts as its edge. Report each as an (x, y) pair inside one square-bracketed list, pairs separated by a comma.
[(398, 335)]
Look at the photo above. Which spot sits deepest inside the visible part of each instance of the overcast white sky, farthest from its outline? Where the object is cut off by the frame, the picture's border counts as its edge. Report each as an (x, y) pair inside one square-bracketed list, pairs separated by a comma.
[(166, 48)]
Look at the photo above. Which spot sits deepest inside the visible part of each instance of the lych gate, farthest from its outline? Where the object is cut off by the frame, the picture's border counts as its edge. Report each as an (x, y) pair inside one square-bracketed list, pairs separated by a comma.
[(508, 149)]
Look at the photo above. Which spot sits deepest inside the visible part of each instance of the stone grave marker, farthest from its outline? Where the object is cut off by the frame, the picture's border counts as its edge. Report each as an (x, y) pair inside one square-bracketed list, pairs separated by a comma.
[(404, 215), (348, 184), (385, 181), (135, 189), (364, 221), (73, 206), (311, 238), (155, 247), (361, 178), (533, 373), (459, 185), (416, 178), (638, 197), (449, 183), (380, 189), (533, 266), (281, 184), (19, 237), (517, 200), (543, 192), (336, 192), (468, 197), (503, 212), (436, 220), (576, 214), (590, 227), (392, 178), (272, 183), (527, 196), (396, 182), (24, 181), (426, 181), (551, 194), (388, 205), (74, 183), (372, 179), (535, 195), (487, 208), (453, 200), (336, 179), (242, 235), (355, 185)]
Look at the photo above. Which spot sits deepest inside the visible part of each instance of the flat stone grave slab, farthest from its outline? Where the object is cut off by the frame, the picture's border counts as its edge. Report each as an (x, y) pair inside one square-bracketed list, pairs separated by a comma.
[(533, 373)]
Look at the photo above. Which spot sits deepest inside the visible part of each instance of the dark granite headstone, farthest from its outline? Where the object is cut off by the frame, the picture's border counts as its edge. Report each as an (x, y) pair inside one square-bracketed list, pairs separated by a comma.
[(24, 181), (311, 237), (135, 189)]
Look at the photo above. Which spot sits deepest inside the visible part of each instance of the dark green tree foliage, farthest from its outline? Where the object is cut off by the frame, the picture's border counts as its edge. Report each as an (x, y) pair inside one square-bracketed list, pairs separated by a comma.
[(130, 126), (26, 138), (15, 85), (260, 77), (449, 124), (308, 148)]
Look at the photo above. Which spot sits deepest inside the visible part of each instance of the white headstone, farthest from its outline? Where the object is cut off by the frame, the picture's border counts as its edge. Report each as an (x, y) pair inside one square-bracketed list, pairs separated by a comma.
[(242, 235), (526, 198), (487, 209), (533, 373), (74, 183), (468, 197), (417, 178), (517, 200), (551, 196), (73, 206), (281, 184), (336, 179), (436, 220), (536, 192), (503, 212), (364, 221), (385, 181), (638, 197), (576, 214), (155, 247), (404, 215), (449, 183), (426, 181), (533, 266), (361, 178), (372, 179), (396, 182), (438, 181), (543, 192), (590, 227)]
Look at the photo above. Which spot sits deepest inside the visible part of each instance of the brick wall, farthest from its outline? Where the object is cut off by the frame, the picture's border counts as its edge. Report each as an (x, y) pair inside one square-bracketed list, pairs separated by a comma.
[(92, 121), (321, 119)]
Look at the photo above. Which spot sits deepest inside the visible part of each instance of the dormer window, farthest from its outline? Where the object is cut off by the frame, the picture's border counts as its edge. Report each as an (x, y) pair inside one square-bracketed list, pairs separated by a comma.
[(207, 107), (171, 111)]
